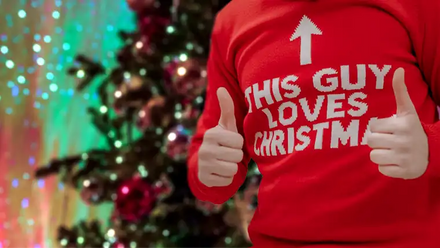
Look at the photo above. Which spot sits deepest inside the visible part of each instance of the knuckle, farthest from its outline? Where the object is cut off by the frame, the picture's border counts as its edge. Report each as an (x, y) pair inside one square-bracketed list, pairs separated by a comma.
[(385, 171), (229, 168), (212, 134), (402, 161), (373, 156), (207, 182), (240, 140), (237, 156), (227, 181), (381, 170), (234, 169), (405, 141), (204, 167), (370, 140), (206, 151), (240, 155), (373, 126), (403, 126), (202, 178), (405, 147), (202, 152)]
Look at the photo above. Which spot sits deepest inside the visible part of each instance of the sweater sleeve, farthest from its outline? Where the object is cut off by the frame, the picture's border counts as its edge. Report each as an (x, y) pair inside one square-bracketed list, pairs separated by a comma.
[(219, 75), (430, 66)]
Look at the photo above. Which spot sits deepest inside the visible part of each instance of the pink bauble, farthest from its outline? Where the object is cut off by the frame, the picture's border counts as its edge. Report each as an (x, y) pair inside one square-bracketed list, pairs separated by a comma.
[(135, 199)]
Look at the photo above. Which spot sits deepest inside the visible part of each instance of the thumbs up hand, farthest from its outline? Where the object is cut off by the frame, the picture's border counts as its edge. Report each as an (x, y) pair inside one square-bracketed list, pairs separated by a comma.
[(399, 143), (222, 145)]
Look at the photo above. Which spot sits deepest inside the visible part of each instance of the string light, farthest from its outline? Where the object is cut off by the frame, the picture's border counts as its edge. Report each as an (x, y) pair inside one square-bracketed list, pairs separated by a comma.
[(36, 44)]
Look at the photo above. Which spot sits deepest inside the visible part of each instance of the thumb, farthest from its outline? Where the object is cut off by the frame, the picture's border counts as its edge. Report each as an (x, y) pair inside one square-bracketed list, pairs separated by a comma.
[(227, 116), (403, 100)]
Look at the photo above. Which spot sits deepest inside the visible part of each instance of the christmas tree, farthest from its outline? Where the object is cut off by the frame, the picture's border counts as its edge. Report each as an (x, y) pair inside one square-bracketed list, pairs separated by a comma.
[(149, 108)]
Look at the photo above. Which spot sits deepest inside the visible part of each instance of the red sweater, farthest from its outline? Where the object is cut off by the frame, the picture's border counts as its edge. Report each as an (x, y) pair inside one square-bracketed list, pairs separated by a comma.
[(306, 78)]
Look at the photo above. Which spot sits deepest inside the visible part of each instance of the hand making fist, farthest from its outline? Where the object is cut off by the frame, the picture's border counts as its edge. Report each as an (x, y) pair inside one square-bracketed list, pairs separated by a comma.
[(399, 143), (222, 145)]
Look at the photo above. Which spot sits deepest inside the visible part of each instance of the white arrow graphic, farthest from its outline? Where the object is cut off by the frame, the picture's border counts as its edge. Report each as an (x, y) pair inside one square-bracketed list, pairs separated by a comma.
[(304, 31)]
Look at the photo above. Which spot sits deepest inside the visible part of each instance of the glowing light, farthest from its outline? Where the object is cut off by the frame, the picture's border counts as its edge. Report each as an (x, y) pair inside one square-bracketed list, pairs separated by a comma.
[(181, 71), (21, 13), (125, 190)]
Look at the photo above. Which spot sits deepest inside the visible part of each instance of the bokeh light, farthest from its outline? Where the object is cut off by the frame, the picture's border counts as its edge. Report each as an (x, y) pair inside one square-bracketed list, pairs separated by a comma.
[(39, 116)]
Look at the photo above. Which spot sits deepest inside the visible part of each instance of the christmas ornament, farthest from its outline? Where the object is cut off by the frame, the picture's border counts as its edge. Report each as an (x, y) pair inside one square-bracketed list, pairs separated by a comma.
[(186, 78), (140, 5), (118, 245), (135, 199), (190, 115), (142, 47), (152, 29), (163, 188), (92, 190), (131, 93), (154, 113), (134, 51), (131, 83), (208, 207), (177, 142), (152, 26)]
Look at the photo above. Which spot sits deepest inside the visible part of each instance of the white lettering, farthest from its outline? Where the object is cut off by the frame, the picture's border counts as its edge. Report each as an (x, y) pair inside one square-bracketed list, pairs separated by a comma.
[(367, 131), (354, 101), (276, 89), (247, 94), (332, 82), (295, 89), (339, 134), (277, 143), (265, 144), (291, 108), (302, 137), (319, 128), (307, 112), (361, 76), (258, 135), (264, 93), (380, 74), (333, 106), (272, 122), (290, 139)]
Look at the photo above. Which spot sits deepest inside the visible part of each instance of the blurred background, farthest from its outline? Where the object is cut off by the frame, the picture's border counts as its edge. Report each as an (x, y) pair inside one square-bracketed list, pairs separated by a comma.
[(98, 101)]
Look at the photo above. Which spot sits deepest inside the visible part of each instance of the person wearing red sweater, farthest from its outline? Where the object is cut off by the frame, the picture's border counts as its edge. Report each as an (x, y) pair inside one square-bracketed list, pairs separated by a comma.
[(335, 101)]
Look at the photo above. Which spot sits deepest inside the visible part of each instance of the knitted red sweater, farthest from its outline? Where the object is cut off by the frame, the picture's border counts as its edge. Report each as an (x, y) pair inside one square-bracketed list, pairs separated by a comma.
[(306, 78)]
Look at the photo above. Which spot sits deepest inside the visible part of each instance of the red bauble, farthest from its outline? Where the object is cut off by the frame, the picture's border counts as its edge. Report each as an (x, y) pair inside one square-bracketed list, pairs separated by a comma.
[(153, 29), (135, 199), (187, 79), (208, 207), (153, 25), (163, 187), (177, 142), (154, 113), (92, 190), (130, 94), (140, 5), (118, 245)]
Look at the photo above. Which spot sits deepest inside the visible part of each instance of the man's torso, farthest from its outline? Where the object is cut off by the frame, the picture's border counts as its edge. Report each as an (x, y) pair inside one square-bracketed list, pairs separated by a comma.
[(314, 73)]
